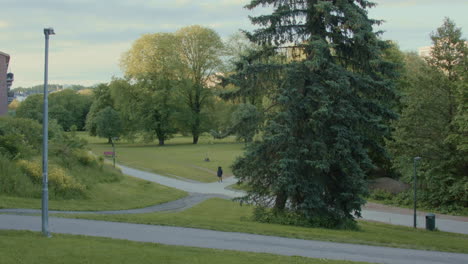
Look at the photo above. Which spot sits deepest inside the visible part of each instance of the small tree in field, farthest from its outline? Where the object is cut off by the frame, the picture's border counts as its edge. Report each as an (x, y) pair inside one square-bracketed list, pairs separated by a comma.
[(108, 124)]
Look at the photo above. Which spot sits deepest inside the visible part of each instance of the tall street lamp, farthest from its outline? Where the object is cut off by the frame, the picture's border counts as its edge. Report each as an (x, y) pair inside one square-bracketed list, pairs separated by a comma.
[(415, 160), (45, 133)]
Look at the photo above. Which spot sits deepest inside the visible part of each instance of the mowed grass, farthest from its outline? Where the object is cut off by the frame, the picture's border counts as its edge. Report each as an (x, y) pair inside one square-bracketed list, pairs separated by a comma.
[(28, 247), (128, 193), (178, 158), (224, 215)]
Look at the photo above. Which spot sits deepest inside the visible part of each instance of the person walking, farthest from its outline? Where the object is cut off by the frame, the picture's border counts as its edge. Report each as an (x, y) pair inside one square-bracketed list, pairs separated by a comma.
[(220, 174)]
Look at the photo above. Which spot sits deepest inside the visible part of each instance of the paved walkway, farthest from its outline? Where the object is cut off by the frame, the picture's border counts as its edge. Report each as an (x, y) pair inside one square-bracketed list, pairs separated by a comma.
[(174, 206), (188, 186), (232, 241), (375, 213)]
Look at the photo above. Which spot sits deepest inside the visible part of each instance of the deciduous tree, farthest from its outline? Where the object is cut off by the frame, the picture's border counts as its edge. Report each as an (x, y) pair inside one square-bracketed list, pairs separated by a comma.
[(200, 50)]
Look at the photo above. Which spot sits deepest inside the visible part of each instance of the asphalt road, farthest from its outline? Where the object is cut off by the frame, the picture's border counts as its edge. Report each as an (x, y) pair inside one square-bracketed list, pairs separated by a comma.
[(232, 241)]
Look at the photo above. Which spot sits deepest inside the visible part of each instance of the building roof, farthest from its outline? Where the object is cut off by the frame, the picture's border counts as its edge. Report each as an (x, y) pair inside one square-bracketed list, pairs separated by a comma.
[(5, 55)]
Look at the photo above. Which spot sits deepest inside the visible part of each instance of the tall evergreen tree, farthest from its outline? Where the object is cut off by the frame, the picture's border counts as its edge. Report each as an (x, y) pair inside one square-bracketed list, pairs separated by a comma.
[(331, 110)]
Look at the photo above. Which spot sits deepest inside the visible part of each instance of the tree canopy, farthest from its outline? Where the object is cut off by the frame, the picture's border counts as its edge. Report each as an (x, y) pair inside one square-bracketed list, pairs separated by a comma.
[(432, 121), (331, 109)]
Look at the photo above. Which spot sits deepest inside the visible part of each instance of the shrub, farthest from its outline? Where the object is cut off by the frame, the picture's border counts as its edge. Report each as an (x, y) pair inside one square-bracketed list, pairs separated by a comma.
[(85, 158), (381, 195), (61, 184), (14, 182), (19, 138)]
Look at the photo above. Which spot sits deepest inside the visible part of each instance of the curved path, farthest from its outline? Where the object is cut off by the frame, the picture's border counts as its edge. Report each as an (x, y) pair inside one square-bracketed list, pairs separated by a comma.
[(175, 206), (232, 241), (381, 214), (188, 186)]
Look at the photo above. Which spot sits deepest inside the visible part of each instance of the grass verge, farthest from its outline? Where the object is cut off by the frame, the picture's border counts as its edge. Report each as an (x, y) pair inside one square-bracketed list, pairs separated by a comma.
[(461, 212), (29, 247), (223, 215), (128, 193), (178, 157)]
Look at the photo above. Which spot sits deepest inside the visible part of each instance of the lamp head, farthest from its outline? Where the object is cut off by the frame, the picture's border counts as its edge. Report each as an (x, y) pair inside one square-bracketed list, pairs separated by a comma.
[(417, 158), (49, 31)]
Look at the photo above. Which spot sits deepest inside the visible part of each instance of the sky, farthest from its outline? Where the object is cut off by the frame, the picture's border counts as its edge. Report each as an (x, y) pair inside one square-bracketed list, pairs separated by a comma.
[(91, 35)]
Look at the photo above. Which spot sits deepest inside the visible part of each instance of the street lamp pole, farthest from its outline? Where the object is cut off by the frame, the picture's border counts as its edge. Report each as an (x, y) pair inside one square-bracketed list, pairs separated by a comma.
[(415, 160), (45, 138), (113, 148)]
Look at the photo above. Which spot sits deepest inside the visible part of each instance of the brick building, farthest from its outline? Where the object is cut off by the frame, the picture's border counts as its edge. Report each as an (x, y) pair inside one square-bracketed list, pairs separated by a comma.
[(4, 60)]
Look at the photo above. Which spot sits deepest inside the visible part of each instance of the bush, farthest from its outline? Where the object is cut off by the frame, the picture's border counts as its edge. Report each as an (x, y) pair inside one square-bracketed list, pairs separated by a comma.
[(61, 185), (381, 195), (13, 181), (20, 138)]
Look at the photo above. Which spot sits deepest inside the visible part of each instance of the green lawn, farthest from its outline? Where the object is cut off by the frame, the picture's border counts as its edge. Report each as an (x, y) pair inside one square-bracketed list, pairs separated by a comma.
[(126, 194), (223, 215), (178, 157), (18, 247)]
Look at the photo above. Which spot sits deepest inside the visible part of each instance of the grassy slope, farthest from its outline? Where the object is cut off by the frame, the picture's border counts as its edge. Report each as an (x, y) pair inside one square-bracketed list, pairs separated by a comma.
[(223, 215), (128, 193), (190, 158), (29, 247)]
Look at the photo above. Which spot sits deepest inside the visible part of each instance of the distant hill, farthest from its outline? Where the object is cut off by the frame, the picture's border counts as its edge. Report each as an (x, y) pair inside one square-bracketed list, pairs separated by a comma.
[(52, 88)]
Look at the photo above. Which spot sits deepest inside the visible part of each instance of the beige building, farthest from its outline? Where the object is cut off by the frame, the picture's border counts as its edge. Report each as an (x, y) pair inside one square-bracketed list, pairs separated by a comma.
[(425, 51), (4, 60)]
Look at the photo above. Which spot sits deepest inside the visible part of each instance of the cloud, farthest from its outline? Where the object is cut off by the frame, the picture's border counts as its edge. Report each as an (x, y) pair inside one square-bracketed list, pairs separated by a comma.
[(91, 34), (73, 63)]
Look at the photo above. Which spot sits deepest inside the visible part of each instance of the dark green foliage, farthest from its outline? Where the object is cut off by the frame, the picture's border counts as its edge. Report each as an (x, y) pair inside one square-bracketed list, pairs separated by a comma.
[(20, 137), (31, 107), (381, 195), (430, 125), (331, 109), (156, 108), (108, 123), (102, 99), (72, 170), (245, 122), (127, 99), (67, 107)]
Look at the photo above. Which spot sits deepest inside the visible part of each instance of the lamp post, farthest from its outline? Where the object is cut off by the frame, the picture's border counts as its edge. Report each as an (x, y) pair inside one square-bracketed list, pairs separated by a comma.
[(45, 138), (415, 160), (113, 148)]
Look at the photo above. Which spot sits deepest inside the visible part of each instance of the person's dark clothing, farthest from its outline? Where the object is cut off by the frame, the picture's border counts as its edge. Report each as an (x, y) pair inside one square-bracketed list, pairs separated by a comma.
[(220, 172)]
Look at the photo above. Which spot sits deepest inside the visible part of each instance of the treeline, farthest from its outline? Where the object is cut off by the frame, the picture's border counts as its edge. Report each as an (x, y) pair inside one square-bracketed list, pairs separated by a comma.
[(433, 122), (171, 86), (51, 88)]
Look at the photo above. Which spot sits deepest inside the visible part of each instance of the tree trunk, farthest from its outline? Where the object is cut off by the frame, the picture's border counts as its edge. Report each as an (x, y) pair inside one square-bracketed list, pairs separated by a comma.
[(195, 139), (280, 202), (109, 140), (161, 142)]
